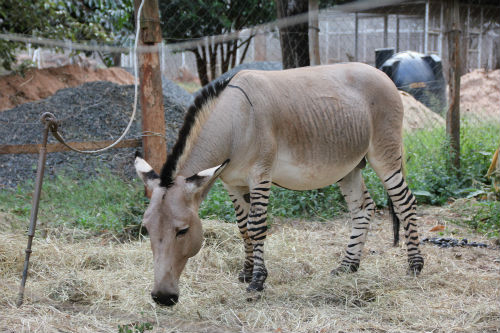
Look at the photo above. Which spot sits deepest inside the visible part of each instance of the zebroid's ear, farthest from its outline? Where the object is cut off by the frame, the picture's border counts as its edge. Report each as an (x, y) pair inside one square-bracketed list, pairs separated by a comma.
[(146, 172), (201, 182)]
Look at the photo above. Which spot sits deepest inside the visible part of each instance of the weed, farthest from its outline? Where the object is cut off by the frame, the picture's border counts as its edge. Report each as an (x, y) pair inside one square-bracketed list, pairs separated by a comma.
[(135, 328), (102, 204), (484, 217)]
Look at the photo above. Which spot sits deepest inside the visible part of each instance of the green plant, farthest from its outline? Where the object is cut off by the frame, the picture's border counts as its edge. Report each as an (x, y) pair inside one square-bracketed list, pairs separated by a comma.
[(431, 175), (104, 203), (217, 205), (485, 217), (135, 328), (109, 21)]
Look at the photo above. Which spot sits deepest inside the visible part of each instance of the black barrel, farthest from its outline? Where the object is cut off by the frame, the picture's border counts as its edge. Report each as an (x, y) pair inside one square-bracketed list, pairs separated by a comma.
[(420, 75)]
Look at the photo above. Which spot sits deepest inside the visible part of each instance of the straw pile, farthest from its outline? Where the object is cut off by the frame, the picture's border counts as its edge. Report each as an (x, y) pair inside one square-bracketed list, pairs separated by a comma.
[(81, 284), (480, 94), (417, 115)]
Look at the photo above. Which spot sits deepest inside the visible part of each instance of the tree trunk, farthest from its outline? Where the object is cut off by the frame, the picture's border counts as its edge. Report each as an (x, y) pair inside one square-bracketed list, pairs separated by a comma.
[(212, 53), (117, 59), (234, 53), (225, 54), (201, 65), (294, 40)]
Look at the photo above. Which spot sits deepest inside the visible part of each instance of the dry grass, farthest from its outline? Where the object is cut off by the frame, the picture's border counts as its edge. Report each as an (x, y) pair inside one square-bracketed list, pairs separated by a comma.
[(94, 285)]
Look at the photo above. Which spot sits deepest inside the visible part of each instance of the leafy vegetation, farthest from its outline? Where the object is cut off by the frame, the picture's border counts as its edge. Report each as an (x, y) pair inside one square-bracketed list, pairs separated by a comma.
[(430, 172), (482, 216), (102, 204), (109, 21)]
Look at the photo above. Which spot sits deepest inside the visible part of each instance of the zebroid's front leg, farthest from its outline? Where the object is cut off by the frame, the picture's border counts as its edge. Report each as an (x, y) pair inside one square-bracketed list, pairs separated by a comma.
[(240, 197), (257, 231)]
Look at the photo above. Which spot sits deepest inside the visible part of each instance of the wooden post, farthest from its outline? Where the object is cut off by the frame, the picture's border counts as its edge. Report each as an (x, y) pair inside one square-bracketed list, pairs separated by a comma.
[(151, 96), (453, 32), (314, 32)]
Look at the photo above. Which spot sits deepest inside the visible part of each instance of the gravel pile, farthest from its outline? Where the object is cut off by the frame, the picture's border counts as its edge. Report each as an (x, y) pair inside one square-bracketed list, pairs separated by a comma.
[(93, 111)]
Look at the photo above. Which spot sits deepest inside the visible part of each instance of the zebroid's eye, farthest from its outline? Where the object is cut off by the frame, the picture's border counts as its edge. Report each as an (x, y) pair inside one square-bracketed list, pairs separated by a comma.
[(182, 232)]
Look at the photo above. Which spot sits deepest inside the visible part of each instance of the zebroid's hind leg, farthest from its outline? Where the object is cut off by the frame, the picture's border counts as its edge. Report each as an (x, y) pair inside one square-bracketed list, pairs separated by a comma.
[(404, 205), (361, 207), (241, 202)]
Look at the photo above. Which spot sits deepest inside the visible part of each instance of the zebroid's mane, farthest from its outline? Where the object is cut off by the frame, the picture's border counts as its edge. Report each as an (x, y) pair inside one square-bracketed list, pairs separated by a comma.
[(195, 111)]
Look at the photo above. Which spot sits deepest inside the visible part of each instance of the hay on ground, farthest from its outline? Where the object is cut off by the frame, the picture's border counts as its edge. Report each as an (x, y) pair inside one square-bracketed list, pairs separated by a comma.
[(417, 115), (94, 285)]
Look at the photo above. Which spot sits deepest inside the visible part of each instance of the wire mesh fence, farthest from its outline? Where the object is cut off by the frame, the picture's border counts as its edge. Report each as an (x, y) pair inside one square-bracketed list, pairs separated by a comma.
[(203, 40)]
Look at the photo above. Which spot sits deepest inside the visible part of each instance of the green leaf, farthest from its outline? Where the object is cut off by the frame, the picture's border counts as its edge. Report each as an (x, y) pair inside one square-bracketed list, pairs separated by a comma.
[(422, 193)]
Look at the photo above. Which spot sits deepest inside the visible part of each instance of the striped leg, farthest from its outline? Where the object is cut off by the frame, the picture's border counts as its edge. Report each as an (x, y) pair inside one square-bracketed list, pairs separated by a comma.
[(404, 206), (362, 208), (241, 201), (257, 231)]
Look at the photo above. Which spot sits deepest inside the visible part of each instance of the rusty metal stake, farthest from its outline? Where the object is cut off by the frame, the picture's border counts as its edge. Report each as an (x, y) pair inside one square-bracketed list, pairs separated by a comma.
[(46, 119)]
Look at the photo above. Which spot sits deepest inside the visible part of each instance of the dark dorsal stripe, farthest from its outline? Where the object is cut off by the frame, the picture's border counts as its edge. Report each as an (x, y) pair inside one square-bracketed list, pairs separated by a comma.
[(210, 91)]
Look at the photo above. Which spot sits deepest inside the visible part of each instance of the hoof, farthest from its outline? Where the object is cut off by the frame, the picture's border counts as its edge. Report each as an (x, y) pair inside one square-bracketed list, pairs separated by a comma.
[(416, 265), (255, 286), (345, 269), (245, 276), (415, 269)]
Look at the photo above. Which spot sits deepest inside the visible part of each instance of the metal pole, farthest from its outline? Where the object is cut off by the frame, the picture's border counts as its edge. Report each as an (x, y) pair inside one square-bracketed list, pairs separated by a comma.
[(356, 31), (386, 32), (397, 33), (34, 205), (327, 42), (441, 28), (480, 42), (426, 27)]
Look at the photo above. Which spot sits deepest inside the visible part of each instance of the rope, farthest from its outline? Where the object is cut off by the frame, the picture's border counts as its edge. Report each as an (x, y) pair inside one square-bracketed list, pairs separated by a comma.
[(53, 123)]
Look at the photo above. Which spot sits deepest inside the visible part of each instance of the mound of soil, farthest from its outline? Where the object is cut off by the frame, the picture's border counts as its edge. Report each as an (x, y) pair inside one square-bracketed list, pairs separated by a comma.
[(42, 83), (480, 94), (92, 111), (417, 115)]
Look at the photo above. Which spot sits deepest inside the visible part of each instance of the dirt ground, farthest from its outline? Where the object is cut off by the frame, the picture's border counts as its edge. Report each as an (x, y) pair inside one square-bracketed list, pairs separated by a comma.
[(83, 284), (36, 84)]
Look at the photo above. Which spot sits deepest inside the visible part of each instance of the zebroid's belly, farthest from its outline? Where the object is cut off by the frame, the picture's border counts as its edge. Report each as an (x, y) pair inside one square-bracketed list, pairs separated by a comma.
[(296, 175)]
